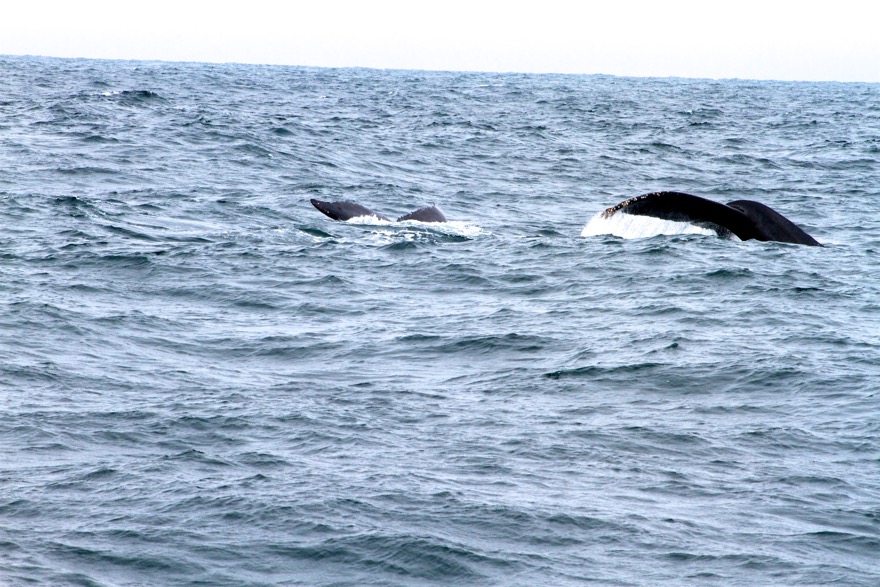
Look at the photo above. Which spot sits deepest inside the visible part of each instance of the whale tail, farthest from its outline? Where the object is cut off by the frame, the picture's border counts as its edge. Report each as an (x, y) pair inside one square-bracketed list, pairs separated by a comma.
[(348, 210), (744, 218)]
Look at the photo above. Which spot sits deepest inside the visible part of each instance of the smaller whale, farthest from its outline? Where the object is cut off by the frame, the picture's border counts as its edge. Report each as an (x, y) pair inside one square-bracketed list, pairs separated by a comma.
[(348, 210), (744, 218)]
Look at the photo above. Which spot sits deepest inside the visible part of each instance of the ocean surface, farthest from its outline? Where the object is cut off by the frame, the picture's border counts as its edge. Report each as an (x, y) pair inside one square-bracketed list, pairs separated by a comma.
[(205, 381)]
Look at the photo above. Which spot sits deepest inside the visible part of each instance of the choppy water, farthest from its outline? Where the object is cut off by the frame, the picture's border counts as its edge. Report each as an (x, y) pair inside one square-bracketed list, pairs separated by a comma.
[(204, 381)]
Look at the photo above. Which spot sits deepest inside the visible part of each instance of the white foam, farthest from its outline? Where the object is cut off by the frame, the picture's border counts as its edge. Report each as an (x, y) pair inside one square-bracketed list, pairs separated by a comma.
[(368, 219), (633, 226), (457, 228)]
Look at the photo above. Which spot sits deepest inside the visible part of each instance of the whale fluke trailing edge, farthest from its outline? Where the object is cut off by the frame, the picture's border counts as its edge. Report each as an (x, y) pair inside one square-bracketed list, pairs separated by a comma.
[(348, 210), (744, 218)]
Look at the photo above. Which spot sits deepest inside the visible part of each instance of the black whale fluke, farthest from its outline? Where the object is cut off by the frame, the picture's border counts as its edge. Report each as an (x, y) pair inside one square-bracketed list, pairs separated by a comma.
[(349, 210), (425, 214), (344, 210), (744, 218)]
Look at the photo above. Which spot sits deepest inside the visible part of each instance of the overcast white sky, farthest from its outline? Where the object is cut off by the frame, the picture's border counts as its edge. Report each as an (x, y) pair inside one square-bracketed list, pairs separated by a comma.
[(769, 39)]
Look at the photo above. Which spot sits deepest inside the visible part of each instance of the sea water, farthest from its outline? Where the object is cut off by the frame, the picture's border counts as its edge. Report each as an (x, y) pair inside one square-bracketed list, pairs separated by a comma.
[(205, 381)]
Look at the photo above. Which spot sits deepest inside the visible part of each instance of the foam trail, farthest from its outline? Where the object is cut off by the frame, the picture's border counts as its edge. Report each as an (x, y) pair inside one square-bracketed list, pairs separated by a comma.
[(453, 227), (632, 226)]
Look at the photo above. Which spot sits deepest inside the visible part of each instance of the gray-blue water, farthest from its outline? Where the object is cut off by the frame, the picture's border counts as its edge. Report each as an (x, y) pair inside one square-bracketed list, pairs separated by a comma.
[(204, 381)]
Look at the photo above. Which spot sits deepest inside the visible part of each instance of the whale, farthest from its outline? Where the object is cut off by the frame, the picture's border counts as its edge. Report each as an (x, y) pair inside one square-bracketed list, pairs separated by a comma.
[(348, 210), (746, 219)]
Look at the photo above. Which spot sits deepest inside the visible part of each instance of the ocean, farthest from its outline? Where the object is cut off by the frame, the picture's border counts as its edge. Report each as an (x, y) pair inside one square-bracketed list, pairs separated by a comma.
[(205, 381)]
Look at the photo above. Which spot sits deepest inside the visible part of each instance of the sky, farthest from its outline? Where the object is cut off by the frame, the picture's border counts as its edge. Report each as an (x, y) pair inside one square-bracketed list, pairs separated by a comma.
[(747, 39)]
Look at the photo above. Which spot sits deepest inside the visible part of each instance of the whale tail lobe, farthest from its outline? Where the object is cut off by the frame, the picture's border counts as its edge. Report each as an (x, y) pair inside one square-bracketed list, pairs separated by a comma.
[(344, 210), (426, 214), (771, 225)]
